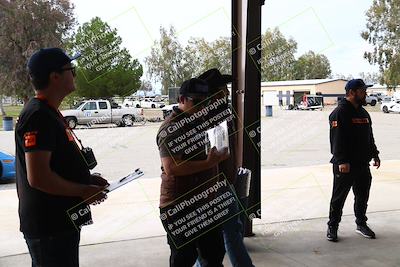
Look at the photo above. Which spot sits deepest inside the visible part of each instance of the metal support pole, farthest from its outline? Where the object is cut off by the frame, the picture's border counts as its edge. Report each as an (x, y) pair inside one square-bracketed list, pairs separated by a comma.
[(246, 95)]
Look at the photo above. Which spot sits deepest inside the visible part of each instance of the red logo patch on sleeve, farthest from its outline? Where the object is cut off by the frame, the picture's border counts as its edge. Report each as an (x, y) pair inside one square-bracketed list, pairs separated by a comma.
[(334, 124), (30, 139)]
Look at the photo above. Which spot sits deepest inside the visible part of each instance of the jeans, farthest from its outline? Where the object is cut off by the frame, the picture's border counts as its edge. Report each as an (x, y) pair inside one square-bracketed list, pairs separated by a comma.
[(210, 247), (233, 238), (60, 250)]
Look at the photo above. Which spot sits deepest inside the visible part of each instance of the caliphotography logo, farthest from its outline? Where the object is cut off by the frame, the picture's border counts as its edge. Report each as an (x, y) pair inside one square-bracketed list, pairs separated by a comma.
[(200, 210)]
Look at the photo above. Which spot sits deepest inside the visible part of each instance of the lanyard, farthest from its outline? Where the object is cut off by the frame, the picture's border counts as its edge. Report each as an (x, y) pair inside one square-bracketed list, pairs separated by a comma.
[(70, 133)]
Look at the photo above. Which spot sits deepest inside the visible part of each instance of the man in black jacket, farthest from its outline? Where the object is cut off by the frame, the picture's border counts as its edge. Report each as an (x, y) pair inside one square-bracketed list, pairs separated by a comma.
[(353, 147)]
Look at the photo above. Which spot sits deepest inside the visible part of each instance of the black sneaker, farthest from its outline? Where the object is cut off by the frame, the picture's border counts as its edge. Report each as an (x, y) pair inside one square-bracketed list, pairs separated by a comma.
[(365, 231), (331, 234)]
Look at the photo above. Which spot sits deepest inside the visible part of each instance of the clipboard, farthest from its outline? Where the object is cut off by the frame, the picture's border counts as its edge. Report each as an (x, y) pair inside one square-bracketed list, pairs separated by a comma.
[(124, 180)]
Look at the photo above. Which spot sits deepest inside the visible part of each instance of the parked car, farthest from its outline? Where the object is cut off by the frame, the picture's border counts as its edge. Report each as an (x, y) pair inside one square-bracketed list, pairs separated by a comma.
[(168, 110), (101, 111), (392, 106), (387, 99), (379, 96), (150, 103), (371, 100), (147, 102), (131, 102), (7, 167)]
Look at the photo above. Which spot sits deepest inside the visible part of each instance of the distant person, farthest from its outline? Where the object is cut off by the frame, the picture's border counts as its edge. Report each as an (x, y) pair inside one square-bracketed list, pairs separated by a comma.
[(52, 174), (353, 147), (233, 228), (181, 173), (305, 100)]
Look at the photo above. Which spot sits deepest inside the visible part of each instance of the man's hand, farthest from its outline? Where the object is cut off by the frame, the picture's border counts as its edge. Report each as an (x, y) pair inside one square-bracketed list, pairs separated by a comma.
[(224, 154), (344, 168), (93, 194), (214, 156), (42, 178), (96, 179), (377, 162)]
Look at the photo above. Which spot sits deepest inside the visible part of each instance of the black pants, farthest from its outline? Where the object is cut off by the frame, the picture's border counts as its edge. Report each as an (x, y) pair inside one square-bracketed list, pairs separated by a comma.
[(359, 178), (210, 247), (61, 250)]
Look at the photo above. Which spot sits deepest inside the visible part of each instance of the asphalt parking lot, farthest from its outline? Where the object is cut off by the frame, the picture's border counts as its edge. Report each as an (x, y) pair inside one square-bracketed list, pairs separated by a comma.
[(296, 187)]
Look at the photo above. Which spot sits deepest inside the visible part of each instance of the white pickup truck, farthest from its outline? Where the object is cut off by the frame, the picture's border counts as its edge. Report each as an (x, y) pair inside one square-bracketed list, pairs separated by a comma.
[(90, 112)]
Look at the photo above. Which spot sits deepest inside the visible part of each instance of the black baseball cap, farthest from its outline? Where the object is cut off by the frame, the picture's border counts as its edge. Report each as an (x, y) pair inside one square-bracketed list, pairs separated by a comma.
[(47, 60), (194, 87), (215, 79), (355, 84)]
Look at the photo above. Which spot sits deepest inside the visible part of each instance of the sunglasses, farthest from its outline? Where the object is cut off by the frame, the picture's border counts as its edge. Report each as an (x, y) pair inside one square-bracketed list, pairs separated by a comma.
[(72, 69), (196, 101)]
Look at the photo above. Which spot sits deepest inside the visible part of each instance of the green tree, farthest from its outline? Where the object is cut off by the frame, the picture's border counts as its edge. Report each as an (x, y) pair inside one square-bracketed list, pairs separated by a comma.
[(171, 63), (312, 66), (277, 56), (383, 33), (370, 77), (105, 69), (347, 77), (208, 55), (26, 26), (391, 76), (168, 61)]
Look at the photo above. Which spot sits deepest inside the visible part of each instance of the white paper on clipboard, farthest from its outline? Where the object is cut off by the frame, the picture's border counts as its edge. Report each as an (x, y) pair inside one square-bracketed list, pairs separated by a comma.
[(123, 181), (218, 137)]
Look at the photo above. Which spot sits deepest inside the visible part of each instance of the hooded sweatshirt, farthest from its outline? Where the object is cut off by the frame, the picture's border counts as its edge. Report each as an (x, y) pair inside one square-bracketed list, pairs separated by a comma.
[(351, 136)]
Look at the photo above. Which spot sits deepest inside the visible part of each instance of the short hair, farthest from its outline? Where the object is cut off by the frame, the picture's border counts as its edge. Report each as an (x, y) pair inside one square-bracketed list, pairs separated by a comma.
[(41, 81), (348, 91)]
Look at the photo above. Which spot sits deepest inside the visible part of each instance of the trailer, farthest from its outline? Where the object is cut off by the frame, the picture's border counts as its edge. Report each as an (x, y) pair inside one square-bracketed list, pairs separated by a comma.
[(311, 102), (293, 100)]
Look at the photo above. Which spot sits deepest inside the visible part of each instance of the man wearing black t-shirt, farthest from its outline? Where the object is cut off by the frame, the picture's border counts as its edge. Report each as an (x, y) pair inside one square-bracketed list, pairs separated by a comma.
[(52, 174)]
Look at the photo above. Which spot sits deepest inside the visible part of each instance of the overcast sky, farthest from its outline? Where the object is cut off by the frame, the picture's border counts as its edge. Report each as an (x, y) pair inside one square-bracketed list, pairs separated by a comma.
[(331, 27)]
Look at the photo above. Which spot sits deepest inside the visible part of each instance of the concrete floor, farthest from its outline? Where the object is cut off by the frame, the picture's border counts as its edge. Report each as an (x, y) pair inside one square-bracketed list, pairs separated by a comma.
[(295, 200), (303, 245), (127, 230)]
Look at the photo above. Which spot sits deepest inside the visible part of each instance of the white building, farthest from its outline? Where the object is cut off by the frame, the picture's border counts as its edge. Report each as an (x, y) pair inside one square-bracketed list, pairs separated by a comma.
[(379, 88), (291, 92)]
